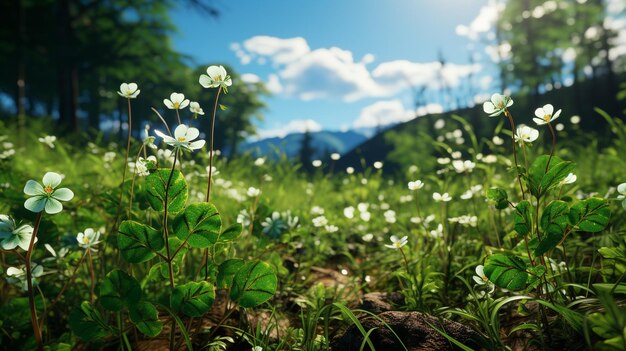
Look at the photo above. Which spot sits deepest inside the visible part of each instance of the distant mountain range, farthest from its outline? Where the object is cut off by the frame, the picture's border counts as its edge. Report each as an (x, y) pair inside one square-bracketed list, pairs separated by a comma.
[(323, 142)]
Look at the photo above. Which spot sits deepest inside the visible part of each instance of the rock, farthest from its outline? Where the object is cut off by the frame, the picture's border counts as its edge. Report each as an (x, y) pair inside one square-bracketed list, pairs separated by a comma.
[(412, 328), (379, 302)]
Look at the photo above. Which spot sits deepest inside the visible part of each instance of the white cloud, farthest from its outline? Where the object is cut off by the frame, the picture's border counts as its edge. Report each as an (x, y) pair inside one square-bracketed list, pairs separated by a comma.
[(382, 113), (250, 78), (333, 72), (273, 84), (294, 126), (280, 51), (483, 23)]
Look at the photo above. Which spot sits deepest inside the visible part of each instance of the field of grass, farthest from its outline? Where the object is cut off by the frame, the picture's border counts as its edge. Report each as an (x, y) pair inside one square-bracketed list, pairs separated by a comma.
[(279, 259)]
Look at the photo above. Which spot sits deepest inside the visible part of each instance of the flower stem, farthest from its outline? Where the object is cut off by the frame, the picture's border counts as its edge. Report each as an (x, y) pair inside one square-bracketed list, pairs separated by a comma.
[(165, 229), (29, 282), (553, 146), (519, 179), (119, 202), (208, 190), (93, 277), (178, 117)]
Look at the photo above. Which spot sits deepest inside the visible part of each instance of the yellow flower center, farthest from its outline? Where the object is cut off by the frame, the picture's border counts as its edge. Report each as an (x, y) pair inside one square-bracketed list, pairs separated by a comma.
[(48, 189), (547, 118), (217, 78), (485, 279), (176, 104), (86, 240), (181, 139)]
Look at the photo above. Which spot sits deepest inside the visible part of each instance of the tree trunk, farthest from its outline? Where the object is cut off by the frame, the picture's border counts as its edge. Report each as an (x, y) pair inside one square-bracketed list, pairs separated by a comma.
[(67, 74)]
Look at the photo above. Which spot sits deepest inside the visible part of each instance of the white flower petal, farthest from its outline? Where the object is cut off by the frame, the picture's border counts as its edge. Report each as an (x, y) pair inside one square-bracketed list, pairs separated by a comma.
[(555, 115), (539, 121), (53, 206), (33, 188), (192, 133), (489, 107), (205, 81), (539, 113), (168, 104), (198, 144), (36, 204), (621, 188), (548, 109), (180, 132), (63, 194), (12, 271), (132, 87), (183, 104), (52, 179)]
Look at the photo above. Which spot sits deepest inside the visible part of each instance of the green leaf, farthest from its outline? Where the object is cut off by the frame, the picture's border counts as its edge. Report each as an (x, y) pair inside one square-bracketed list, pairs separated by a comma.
[(223, 107), (534, 279), (146, 318), (498, 198), (87, 323), (199, 225), (523, 221), (138, 242), (156, 184), (506, 271), (227, 271), (590, 215), (554, 221), (254, 283), (231, 233), (540, 181), (119, 290), (193, 299)]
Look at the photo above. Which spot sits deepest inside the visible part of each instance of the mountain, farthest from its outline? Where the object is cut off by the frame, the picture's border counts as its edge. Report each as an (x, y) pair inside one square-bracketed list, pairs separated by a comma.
[(323, 142)]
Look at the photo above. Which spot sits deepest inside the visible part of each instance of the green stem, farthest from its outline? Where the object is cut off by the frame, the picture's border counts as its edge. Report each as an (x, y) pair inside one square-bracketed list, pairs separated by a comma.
[(93, 277), (208, 190), (553, 145), (29, 282), (519, 179), (165, 229), (119, 202)]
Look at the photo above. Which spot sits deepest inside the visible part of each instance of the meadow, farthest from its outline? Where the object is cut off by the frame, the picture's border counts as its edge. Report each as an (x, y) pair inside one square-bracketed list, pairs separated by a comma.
[(151, 243)]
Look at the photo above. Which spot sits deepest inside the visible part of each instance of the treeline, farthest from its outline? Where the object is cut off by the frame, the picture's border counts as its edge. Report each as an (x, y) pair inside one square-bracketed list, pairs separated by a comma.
[(66, 58)]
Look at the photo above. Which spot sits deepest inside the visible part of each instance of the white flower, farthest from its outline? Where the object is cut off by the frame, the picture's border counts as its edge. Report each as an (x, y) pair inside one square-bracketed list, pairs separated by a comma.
[(350, 170), (316, 163), (481, 279), (253, 192), (259, 161), (445, 197), (390, 216), (437, 233), (526, 134), (176, 101), (18, 276), (48, 140), (166, 155), (348, 212), (46, 197), (257, 348), (416, 185), (183, 137), (440, 123), (575, 119), (497, 105), (194, 107), (497, 140), (368, 237), (216, 77), (378, 165), (128, 90), (316, 210), (141, 166), (471, 192), (88, 239), (108, 156), (396, 243), (331, 228), (319, 221), (12, 236), (243, 218), (571, 178), (365, 216), (621, 189), (335, 156), (490, 159), (546, 114), (463, 166)]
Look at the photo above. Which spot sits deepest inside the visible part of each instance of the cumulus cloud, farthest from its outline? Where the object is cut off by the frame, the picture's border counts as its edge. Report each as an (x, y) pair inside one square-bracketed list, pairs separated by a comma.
[(250, 78), (382, 113), (294, 126), (334, 73), (482, 24)]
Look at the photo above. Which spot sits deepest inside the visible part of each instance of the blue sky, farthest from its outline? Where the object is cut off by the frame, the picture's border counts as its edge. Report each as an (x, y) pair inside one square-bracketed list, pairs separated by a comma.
[(341, 64)]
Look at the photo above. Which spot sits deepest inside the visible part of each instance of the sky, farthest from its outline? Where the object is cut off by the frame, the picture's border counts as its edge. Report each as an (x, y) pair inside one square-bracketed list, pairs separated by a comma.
[(344, 64)]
